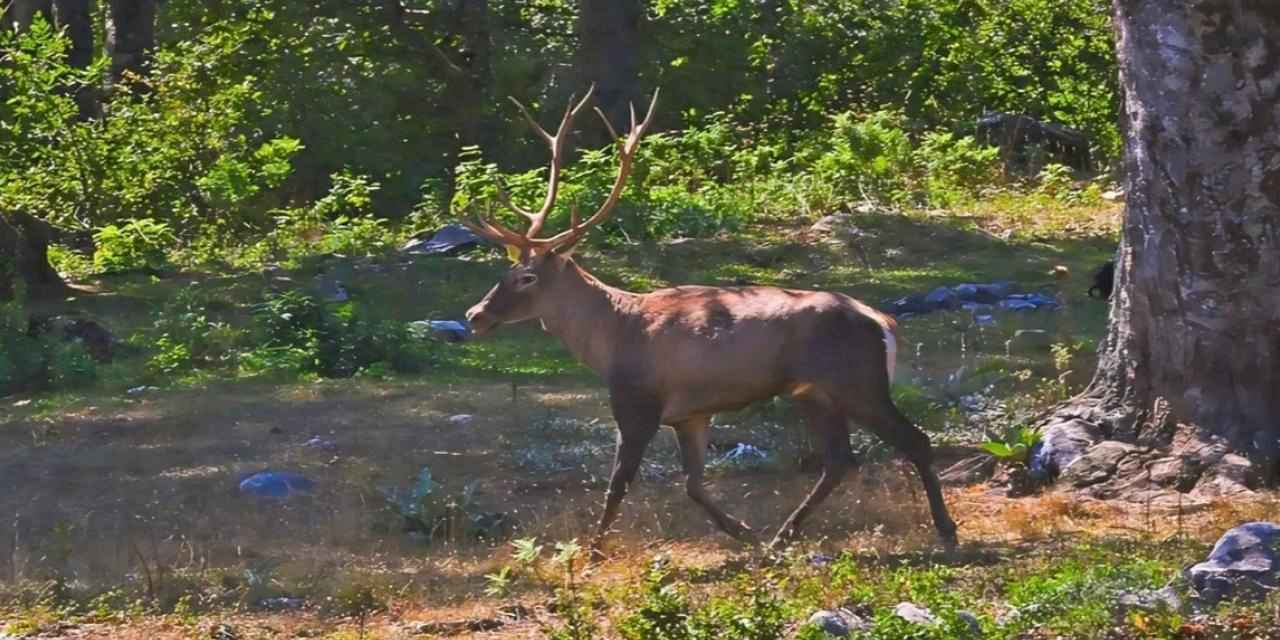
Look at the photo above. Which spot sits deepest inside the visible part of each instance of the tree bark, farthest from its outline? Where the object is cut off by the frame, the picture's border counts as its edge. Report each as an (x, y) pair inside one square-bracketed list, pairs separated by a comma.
[(1192, 358), (24, 256), (131, 38), (609, 54), (18, 14), (76, 18)]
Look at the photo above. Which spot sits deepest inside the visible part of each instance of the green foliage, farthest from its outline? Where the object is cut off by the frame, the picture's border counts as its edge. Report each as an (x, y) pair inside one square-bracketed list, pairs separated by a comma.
[(187, 334), (43, 362), (338, 341), (135, 244), (1016, 447)]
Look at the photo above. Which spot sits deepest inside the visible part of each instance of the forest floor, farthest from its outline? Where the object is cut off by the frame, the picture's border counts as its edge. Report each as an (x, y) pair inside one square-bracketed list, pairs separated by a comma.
[(123, 518)]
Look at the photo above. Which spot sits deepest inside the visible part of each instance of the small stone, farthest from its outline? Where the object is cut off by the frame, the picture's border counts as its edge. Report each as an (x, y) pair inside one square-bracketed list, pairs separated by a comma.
[(838, 622), (971, 621), (915, 614), (137, 391), (461, 419), (1061, 444), (1164, 600), (282, 604)]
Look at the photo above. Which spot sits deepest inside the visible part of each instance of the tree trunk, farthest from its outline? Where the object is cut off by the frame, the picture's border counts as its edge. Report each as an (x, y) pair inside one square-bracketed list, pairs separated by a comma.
[(18, 14), (1191, 364), (609, 54), (76, 18), (131, 38), (24, 256)]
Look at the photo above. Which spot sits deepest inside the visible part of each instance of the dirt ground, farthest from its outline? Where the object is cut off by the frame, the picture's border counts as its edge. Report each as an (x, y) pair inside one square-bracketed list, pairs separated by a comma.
[(146, 488)]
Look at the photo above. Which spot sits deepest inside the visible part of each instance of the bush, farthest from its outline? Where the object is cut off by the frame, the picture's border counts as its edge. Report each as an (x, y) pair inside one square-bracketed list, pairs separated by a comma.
[(135, 244)]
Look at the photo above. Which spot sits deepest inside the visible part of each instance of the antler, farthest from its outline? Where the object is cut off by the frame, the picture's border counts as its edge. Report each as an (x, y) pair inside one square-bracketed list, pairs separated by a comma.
[(528, 242)]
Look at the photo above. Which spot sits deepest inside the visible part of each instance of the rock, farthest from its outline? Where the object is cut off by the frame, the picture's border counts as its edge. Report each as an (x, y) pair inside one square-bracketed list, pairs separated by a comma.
[(1231, 475), (137, 391), (1115, 195), (1164, 600), (984, 320), (971, 470), (1060, 445), (1177, 472), (447, 330), (331, 290), (317, 442), (449, 240), (493, 526), (276, 484), (915, 614), (1097, 464), (224, 631), (1243, 564), (282, 604), (461, 420), (971, 621), (837, 225), (942, 298), (839, 622)]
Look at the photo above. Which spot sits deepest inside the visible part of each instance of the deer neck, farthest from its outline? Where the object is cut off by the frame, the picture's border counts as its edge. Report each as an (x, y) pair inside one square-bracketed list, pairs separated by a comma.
[(588, 317)]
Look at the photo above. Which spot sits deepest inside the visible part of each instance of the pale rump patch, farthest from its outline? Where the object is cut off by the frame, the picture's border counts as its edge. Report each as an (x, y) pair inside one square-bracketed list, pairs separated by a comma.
[(890, 352)]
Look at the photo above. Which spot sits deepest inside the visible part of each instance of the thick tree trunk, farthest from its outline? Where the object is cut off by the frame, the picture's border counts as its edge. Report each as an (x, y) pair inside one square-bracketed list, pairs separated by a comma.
[(609, 54), (76, 18), (131, 37), (1191, 365), (18, 14), (24, 256)]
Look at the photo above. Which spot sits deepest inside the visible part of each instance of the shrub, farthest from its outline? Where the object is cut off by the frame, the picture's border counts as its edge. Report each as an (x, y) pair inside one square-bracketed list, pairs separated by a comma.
[(45, 362), (135, 244)]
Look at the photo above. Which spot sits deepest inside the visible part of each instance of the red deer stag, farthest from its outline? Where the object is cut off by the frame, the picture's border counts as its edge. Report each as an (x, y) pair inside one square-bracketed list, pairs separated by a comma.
[(678, 356)]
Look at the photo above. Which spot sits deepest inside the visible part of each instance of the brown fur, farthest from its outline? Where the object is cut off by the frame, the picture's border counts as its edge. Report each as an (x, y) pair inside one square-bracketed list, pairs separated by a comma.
[(678, 356)]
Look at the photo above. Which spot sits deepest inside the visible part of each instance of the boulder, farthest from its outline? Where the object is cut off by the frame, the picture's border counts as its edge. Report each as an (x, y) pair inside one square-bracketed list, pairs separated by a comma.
[(276, 484), (449, 240), (1060, 445), (915, 614), (1097, 464), (1243, 564), (838, 622)]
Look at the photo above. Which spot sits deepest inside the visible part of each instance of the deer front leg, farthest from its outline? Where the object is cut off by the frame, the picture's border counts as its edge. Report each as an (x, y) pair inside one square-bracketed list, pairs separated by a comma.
[(692, 436), (636, 427)]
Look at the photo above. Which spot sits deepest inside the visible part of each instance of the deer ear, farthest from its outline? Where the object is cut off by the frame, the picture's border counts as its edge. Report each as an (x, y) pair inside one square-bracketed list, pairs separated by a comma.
[(513, 254)]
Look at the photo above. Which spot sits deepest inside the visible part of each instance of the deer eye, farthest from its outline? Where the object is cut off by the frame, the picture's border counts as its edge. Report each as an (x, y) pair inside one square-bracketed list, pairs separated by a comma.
[(526, 280)]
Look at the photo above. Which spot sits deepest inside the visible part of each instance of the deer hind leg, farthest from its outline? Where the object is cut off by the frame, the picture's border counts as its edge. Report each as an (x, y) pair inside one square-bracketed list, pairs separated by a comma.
[(692, 436), (636, 427), (831, 429), (884, 419)]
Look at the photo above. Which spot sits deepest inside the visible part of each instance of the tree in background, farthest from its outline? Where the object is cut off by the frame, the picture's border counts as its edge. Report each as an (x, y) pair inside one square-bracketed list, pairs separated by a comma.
[(610, 55), (1192, 359), (131, 38)]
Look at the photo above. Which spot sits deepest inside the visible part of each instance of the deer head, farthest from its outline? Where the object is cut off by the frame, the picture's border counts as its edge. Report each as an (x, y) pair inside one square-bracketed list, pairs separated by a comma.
[(529, 287)]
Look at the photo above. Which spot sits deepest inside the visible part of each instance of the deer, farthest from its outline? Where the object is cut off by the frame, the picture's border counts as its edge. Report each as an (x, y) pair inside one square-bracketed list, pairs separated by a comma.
[(678, 356)]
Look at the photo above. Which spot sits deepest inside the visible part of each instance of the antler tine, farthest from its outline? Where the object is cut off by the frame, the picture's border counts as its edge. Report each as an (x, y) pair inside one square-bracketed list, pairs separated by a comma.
[(626, 154), (608, 125), (556, 142), (529, 119)]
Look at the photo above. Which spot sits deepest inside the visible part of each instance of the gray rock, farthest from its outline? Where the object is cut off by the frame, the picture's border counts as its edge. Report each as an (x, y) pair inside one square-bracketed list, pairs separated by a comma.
[(943, 298), (915, 614), (971, 621), (838, 622), (1243, 564), (282, 604), (1164, 600), (449, 240), (1061, 444), (1098, 464)]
